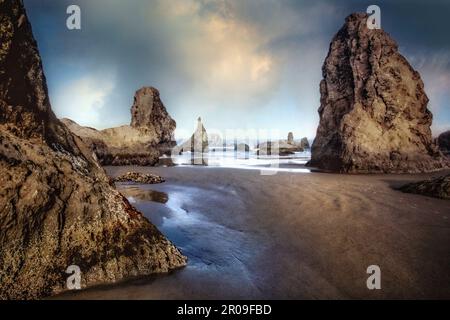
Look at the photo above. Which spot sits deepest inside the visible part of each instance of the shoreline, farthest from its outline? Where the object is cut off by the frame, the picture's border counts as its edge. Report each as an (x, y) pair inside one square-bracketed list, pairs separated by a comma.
[(291, 236)]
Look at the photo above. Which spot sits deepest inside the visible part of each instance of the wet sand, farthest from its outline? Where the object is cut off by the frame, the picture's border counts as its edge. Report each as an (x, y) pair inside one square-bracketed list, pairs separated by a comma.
[(289, 236)]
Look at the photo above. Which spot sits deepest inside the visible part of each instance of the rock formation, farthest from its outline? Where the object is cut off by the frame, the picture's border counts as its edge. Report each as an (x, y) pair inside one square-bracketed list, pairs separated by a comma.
[(438, 188), (57, 207), (444, 142), (149, 136), (280, 147), (197, 144), (138, 177), (290, 138), (304, 143), (149, 115), (373, 112)]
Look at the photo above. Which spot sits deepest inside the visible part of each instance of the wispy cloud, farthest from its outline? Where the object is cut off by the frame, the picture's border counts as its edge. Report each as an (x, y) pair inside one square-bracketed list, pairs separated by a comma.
[(238, 64)]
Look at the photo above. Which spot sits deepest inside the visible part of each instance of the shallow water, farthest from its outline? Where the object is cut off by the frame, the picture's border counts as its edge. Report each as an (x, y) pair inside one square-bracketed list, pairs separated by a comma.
[(217, 254)]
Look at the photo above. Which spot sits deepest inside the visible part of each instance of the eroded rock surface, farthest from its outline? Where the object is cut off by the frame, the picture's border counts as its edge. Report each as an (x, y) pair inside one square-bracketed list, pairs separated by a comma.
[(438, 188), (373, 112), (138, 177), (57, 207)]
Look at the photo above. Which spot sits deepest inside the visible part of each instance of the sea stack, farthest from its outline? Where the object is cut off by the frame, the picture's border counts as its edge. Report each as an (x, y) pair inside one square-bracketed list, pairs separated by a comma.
[(290, 138), (304, 143), (373, 112), (149, 115), (197, 144), (150, 135), (199, 140), (57, 206)]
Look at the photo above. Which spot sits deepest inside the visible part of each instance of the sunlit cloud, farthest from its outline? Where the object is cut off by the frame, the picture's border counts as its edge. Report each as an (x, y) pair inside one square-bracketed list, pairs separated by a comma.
[(238, 64), (83, 99)]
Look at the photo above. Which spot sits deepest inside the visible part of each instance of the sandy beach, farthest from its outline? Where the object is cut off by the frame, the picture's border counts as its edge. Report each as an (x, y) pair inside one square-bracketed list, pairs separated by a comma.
[(289, 236)]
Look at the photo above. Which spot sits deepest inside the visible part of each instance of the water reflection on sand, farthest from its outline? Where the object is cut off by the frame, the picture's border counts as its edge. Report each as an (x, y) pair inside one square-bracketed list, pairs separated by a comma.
[(216, 253), (249, 236)]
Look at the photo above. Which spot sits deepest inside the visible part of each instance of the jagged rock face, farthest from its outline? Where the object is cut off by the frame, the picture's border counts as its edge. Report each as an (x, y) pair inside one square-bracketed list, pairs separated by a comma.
[(373, 113), (57, 207), (148, 113), (444, 142)]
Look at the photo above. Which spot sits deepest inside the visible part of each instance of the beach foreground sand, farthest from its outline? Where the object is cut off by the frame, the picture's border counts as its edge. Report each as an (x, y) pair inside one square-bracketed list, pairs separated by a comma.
[(290, 236)]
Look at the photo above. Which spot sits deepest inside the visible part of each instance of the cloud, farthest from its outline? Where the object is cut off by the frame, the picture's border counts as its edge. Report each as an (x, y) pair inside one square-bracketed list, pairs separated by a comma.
[(83, 100), (238, 64), (434, 68)]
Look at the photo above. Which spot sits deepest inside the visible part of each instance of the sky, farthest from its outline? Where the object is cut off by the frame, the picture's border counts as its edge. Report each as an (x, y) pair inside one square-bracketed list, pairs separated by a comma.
[(239, 64)]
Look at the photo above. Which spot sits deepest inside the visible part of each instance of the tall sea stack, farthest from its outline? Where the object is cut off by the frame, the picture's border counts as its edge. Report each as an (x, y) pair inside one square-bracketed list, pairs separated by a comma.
[(373, 112), (57, 207)]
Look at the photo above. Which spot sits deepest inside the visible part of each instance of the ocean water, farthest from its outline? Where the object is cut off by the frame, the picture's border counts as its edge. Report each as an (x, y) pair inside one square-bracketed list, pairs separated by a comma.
[(249, 160)]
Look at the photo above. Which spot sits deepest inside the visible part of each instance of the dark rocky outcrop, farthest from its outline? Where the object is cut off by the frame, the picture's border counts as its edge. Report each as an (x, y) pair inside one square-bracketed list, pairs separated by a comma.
[(304, 143), (138, 177), (373, 112), (438, 188), (149, 136), (443, 142), (57, 207)]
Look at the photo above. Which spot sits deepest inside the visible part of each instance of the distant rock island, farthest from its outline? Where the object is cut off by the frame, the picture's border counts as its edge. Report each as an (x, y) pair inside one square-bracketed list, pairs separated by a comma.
[(283, 147), (58, 207), (197, 144), (373, 112), (150, 134)]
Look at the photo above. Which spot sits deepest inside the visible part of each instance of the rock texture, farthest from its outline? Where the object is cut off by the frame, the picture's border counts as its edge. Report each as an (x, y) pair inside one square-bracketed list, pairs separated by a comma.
[(438, 188), (148, 114), (444, 142), (373, 112), (304, 143), (137, 177), (149, 136), (57, 207)]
